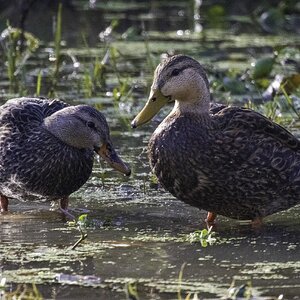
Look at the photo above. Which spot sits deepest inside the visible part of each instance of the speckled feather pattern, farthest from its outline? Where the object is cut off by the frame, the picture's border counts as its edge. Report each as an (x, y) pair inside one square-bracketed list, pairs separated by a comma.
[(234, 162), (33, 161), (227, 160)]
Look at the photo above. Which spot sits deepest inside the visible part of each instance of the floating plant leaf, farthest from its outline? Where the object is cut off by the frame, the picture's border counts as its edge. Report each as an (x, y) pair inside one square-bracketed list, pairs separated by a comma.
[(204, 236), (262, 67), (131, 291)]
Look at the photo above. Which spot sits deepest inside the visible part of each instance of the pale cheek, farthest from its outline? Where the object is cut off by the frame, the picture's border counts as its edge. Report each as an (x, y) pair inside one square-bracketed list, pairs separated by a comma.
[(175, 89), (166, 90)]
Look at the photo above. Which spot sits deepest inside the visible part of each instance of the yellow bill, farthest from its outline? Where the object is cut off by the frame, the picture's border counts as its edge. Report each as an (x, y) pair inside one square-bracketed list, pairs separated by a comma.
[(155, 102)]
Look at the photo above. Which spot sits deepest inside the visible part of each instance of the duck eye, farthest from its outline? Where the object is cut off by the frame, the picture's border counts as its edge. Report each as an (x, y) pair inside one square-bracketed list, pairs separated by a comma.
[(175, 72), (91, 124)]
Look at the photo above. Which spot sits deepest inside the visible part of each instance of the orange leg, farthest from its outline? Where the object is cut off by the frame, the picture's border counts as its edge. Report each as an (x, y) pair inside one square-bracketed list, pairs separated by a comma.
[(64, 203), (257, 222), (3, 203), (210, 219)]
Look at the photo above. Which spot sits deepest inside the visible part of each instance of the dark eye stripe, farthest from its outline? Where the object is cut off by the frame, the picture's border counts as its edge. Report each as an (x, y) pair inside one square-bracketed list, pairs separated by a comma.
[(91, 124), (175, 72)]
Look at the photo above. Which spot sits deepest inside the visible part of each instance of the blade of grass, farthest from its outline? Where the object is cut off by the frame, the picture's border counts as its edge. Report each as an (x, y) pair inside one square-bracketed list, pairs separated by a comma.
[(58, 38), (57, 49), (180, 281), (39, 84), (289, 101)]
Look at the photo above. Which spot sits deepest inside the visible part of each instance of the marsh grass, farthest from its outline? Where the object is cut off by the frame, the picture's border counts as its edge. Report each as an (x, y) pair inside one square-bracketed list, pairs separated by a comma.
[(131, 289), (16, 58), (150, 62), (243, 291), (38, 84), (123, 91), (57, 51), (289, 101), (94, 73), (12, 55), (23, 292)]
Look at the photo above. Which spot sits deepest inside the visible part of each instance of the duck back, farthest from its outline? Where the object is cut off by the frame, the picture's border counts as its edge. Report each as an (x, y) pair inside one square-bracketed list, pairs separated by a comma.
[(234, 162), (32, 160)]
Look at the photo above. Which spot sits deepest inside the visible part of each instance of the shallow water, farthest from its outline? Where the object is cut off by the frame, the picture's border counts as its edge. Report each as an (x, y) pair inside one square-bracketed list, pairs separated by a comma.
[(143, 239), (140, 232)]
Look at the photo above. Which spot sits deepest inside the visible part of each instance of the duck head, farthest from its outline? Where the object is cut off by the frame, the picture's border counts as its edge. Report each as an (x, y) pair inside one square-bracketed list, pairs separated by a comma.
[(84, 127), (178, 78)]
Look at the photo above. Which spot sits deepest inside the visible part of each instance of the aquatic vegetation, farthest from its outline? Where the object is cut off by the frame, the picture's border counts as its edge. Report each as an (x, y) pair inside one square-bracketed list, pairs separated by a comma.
[(204, 237), (17, 46), (123, 90), (131, 291), (56, 56), (2, 285), (139, 237), (38, 84), (180, 275), (23, 292), (153, 181), (81, 223), (244, 291), (263, 66), (94, 77)]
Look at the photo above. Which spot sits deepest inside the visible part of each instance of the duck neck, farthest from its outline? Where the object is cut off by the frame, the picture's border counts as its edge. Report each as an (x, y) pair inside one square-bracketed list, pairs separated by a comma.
[(199, 107)]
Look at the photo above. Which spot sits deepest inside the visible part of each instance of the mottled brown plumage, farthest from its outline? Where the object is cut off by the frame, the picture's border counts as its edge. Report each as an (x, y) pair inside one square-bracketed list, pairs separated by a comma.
[(47, 148), (227, 160)]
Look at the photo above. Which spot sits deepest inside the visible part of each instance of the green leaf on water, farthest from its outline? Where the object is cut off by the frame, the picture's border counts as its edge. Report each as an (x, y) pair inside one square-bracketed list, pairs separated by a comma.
[(204, 237), (262, 67)]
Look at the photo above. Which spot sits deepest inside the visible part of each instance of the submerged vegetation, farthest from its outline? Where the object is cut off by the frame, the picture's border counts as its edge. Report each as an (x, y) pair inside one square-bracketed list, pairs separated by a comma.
[(135, 236)]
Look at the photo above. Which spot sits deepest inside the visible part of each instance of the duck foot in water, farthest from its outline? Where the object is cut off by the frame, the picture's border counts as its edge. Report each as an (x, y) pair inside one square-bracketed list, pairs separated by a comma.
[(210, 219), (3, 203), (257, 222), (64, 203)]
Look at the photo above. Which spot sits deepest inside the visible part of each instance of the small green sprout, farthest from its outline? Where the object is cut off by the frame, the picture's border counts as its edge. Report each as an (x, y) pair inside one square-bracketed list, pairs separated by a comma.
[(82, 222), (24, 291), (153, 181), (204, 236), (131, 291)]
